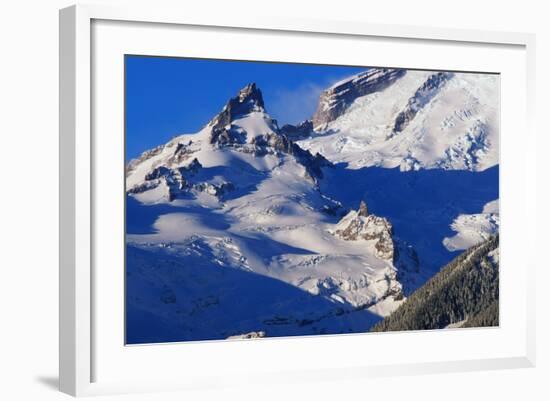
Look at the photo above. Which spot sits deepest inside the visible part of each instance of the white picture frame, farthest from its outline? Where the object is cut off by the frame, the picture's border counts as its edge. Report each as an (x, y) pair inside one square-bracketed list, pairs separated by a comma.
[(78, 164)]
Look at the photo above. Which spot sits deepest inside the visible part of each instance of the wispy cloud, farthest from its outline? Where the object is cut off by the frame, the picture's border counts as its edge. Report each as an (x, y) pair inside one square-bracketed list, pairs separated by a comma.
[(290, 106), (293, 105)]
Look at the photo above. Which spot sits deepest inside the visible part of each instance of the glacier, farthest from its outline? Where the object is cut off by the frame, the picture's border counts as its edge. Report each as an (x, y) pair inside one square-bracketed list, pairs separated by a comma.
[(248, 230)]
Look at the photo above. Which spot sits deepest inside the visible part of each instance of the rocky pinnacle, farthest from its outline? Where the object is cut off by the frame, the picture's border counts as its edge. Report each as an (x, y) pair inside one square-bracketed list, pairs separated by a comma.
[(363, 211)]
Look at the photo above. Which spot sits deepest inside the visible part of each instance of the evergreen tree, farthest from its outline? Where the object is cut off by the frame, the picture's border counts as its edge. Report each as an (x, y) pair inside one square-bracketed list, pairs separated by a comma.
[(466, 289)]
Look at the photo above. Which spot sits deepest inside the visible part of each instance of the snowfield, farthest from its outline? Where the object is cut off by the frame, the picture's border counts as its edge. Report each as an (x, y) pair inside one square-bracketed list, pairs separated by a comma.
[(471, 229), (237, 232), (457, 129)]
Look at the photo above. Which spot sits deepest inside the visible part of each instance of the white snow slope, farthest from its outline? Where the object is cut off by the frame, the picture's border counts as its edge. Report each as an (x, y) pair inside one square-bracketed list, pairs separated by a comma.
[(471, 229), (457, 129), (234, 234)]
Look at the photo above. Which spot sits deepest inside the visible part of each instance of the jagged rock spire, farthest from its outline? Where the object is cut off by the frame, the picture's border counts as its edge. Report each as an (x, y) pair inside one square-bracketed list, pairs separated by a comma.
[(251, 94), (248, 99), (363, 210)]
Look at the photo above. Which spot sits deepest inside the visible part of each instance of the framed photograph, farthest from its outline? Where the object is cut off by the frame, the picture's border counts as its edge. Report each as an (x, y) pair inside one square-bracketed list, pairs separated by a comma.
[(278, 199)]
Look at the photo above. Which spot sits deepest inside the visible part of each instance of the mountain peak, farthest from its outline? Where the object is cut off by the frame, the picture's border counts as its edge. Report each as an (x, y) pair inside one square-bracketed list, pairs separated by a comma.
[(248, 100), (251, 94), (335, 100), (363, 210)]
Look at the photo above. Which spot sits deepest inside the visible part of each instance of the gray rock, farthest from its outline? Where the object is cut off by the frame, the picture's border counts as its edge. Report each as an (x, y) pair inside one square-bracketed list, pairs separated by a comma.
[(182, 153), (144, 156), (297, 132), (336, 100), (247, 100), (421, 97), (363, 210), (354, 227), (175, 179)]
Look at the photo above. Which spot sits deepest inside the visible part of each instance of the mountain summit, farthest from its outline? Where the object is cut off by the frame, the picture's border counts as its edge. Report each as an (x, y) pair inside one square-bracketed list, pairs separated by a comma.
[(339, 97), (409, 119), (250, 94), (246, 229), (248, 100)]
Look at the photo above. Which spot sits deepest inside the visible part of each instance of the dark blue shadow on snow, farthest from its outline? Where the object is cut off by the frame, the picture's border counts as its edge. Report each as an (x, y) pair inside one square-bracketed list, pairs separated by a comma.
[(268, 248), (243, 176), (140, 218), (246, 179), (211, 302), (421, 205)]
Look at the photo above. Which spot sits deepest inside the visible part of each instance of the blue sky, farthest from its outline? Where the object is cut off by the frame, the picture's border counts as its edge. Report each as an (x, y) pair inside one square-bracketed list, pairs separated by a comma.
[(170, 96)]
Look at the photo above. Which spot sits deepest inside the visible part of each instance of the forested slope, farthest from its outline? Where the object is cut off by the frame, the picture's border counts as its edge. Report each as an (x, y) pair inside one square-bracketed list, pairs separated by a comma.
[(464, 293)]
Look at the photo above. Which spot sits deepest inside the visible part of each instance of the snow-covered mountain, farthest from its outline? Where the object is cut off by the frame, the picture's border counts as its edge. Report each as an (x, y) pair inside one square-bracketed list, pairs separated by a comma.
[(409, 119), (421, 147), (246, 230), (229, 234)]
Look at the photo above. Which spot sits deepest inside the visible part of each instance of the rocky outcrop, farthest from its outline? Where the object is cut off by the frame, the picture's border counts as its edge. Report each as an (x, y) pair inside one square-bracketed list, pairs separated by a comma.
[(312, 163), (248, 99), (297, 132), (242, 125), (183, 152), (363, 210), (335, 100), (277, 142), (422, 96), (130, 167), (178, 180), (359, 225), (175, 180), (247, 336), (274, 141), (215, 190), (227, 136)]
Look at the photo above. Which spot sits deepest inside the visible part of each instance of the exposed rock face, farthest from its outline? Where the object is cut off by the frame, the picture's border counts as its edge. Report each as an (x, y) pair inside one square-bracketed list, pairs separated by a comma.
[(251, 335), (422, 96), (174, 180), (363, 210), (335, 100), (273, 141), (183, 152), (248, 99), (192, 167), (144, 156), (312, 163), (215, 190), (297, 132), (357, 225), (244, 126), (360, 225), (227, 136)]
